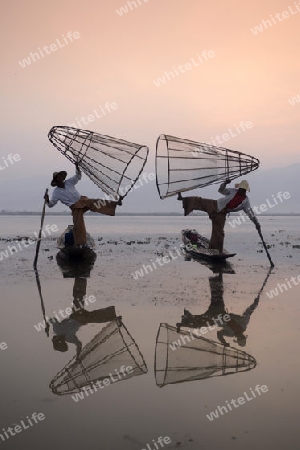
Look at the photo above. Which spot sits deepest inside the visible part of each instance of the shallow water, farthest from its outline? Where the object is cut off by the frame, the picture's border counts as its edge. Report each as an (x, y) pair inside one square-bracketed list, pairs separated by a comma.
[(134, 412)]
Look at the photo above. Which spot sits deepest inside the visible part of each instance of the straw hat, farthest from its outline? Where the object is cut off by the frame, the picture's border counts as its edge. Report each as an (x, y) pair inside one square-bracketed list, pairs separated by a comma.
[(244, 185), (63, 173)]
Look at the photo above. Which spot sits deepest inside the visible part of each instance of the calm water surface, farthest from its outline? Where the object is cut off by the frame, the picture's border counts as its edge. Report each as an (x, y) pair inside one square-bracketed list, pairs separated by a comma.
[(135, 411)]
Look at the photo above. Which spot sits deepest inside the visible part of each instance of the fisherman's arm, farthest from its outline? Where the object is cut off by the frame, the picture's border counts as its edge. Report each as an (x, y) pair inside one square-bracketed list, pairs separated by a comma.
[(222, 189), (74, 180), (52, 202)]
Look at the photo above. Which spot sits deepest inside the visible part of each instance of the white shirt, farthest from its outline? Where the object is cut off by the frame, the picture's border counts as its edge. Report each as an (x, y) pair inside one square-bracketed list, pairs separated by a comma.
[(67, 328), (229, 194), (67, 195)]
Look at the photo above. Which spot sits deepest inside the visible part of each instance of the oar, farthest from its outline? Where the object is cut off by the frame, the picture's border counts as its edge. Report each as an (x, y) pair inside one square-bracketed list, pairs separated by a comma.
[(42, 302), (264, 244), (38, 244)]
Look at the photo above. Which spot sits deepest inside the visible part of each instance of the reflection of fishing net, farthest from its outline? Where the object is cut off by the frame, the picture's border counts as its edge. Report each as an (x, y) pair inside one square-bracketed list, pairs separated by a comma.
[(114, 165), (112, 348), (194, 359), (182, 165)]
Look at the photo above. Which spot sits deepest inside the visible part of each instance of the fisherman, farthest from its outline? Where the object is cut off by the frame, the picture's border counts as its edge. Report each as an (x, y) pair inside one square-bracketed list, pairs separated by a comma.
[(234, 326), (66, 193), (235, 199)]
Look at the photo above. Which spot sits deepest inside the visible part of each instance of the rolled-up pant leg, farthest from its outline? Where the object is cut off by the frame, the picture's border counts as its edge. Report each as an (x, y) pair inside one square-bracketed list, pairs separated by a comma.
[(198, 203), (218, 219), (88, 204), (106, 207)]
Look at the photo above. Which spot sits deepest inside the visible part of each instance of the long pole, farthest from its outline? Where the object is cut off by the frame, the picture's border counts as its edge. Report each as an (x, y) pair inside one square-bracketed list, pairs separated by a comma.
[(264, 244), (38, 244), (42, 302)]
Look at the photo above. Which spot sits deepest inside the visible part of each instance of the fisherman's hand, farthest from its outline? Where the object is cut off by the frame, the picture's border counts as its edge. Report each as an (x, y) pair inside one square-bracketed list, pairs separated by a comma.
[(227, 181), (257, 226), (179, 196), (77, 166), (46, 197)]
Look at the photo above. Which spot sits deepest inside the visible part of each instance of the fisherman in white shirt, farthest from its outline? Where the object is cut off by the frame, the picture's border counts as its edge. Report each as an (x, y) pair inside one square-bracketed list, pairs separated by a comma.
[(234, 199), (66, 193)]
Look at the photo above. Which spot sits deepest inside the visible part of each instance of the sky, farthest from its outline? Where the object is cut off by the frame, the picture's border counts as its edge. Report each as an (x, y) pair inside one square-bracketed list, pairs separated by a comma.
[(114, 57)]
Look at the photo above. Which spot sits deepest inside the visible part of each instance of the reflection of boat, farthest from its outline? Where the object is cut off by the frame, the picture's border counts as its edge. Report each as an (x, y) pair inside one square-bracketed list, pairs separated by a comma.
[(76, 267), (216, 267), (102, 358), (182, 356), (66, 245), (197, 246)]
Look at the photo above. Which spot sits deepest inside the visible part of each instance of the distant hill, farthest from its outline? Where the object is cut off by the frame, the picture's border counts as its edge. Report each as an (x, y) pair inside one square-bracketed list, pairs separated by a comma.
[(26, 194)]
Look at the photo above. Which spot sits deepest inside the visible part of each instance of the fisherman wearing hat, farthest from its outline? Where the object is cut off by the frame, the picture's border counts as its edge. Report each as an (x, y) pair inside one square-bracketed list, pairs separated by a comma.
[(66, 193), (234, 200)]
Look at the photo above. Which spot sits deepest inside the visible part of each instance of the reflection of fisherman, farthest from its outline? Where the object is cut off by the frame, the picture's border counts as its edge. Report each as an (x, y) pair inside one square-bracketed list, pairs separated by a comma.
[(237, 326), (234, 199), (66, 193), (233, 325), (66, 330)]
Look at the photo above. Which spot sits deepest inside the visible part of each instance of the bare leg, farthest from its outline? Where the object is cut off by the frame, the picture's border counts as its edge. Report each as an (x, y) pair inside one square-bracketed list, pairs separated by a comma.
[(79, 230), (217, 232)]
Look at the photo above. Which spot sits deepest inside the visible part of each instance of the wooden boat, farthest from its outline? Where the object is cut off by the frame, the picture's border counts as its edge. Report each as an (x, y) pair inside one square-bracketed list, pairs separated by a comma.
[(66, 245), (197, 246)]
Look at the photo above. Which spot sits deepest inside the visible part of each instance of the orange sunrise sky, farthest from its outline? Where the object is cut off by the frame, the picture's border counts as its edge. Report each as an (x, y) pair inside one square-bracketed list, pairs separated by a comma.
[(117, 57)]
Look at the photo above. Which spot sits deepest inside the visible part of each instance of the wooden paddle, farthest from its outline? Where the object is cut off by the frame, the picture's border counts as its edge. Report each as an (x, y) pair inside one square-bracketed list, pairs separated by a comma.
[(38, 244)]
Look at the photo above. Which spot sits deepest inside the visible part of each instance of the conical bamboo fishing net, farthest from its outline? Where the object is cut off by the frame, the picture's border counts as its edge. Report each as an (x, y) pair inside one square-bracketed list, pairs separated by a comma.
[(182, 165), (112, 348), (195, 358), (114, 165)]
